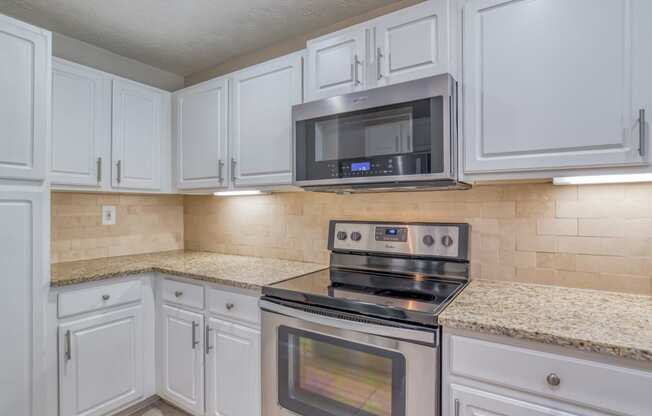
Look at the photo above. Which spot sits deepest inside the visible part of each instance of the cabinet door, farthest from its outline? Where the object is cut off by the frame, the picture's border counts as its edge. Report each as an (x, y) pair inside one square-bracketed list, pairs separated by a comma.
[(548, 84), (412, 43), (336, 64), (101, 362), (81, 125), (201, 135), (25, 54), (182, 358), (21, 261), (465, 401), (233, 369), (137, 135), (263, 97)]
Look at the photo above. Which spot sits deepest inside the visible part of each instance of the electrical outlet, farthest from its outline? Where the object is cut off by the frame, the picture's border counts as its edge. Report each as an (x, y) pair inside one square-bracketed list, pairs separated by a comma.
[(108, 215)]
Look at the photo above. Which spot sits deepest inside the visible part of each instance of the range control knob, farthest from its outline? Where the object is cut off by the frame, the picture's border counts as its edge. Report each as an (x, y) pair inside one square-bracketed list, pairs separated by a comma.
[(341, 235), (447, 240), (356, 236), (428, 240)]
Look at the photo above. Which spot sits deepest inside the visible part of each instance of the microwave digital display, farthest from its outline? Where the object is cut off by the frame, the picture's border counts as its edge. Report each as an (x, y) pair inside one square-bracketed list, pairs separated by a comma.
[(360, 166)]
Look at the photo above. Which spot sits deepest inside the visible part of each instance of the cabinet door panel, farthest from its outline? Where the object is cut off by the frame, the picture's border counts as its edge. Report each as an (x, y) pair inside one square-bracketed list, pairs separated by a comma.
[(233, 370), (137, 136), (182, 359), (80, 125), (25, 99), (101, 367), (20, 260), (201, 135), (412, 43), (558, 95), (263, 97), (336, 64), (466, 401)]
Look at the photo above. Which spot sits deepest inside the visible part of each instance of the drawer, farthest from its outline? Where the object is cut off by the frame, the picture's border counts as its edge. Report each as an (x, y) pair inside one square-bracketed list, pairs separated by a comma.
[(233, 305), (599, 385), (98, 297), (183, 293)]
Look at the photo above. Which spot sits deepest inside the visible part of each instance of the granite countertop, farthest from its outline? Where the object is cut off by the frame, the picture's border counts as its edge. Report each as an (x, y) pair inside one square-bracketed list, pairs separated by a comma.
[(609, 323), (239, 271)]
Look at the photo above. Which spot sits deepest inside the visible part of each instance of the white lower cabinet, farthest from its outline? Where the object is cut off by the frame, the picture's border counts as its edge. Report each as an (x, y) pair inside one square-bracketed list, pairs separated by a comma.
[(182, 358), (209, 352), (470, 402), (232, 369), (101, 365)]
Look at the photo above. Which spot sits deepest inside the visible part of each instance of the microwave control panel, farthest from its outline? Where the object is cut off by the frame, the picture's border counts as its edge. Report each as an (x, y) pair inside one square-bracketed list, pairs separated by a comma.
[(411, 164)]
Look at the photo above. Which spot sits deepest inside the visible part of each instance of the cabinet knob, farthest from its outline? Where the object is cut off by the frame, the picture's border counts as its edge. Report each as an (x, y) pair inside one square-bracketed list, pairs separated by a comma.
[(230, 306), (106, 297), (178, 293), (553, 379)]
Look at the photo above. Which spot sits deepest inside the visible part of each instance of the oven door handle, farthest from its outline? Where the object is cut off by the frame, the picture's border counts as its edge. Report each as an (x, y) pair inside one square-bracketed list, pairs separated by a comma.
[(395, 331)]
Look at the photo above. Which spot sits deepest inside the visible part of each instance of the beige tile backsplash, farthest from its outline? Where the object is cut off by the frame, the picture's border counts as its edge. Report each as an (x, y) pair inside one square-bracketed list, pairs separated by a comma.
[(145, 223), (596, 236)]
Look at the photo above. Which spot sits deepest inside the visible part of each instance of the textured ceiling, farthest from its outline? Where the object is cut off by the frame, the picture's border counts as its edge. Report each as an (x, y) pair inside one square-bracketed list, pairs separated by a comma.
[(184, 36)]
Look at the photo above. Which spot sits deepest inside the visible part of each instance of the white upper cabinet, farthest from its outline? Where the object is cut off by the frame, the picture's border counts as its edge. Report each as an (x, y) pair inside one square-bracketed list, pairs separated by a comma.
[(549, 84), (408, 44), (139, 122), (261, 133), (101, 366), (411, 43), (81, 125), (200, 119), (335, 64), (25, 53)]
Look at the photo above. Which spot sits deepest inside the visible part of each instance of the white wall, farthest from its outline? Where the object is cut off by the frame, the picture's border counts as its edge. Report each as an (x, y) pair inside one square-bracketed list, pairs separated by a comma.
[(86, 54)]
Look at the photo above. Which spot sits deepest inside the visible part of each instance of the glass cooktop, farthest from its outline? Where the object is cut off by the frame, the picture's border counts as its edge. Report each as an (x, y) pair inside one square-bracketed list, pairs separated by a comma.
[(411, 298)]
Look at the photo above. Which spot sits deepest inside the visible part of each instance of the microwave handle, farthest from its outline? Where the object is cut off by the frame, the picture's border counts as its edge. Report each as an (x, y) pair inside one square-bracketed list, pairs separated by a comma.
[(396, 332)]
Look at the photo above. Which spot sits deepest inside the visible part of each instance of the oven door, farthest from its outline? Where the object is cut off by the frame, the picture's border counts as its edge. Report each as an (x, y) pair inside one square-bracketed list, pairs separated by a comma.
[(402, 132), (318, 365)]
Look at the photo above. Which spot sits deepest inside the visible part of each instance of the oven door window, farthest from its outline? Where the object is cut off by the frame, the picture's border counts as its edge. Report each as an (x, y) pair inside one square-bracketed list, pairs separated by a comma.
[(398, 139), (324, 376)]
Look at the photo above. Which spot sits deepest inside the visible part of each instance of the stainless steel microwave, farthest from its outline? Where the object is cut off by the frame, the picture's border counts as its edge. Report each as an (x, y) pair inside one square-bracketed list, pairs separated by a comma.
[(398, 137)]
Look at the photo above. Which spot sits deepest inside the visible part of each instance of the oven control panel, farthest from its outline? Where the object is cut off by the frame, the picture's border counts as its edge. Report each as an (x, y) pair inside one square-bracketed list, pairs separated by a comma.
[(409, 239)]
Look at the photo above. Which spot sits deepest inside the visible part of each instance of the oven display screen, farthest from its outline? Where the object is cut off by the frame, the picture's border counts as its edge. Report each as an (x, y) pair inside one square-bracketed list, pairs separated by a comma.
[(361, 167), (398, 234)]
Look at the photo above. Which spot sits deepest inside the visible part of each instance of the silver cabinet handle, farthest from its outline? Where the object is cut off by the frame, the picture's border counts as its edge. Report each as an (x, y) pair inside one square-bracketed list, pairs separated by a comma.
[(207, 339), (98, 167), (178, 294), (229, 306), (106, 297), (641, 132), (67, 352), (457, 407), (194, 334), (379, 54), (553, 379), (233, 163), (356, 62), (118, 171), (220, 167)]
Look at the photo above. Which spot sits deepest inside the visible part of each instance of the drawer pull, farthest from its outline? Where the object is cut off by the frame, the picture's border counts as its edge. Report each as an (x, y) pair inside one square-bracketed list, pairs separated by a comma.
[(106, 297), (553, 379), (178, 293), (230, 306)]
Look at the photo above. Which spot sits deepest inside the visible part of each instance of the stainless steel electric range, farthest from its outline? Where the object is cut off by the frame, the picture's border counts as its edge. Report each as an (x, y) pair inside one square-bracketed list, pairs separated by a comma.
[(361, 338)]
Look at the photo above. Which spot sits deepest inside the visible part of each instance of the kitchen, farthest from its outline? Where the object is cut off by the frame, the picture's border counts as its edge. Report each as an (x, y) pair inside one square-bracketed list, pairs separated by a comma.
[(414, 208)]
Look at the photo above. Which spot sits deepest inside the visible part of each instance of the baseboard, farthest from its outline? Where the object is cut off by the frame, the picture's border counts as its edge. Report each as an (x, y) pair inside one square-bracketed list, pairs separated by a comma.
[(139, 406)]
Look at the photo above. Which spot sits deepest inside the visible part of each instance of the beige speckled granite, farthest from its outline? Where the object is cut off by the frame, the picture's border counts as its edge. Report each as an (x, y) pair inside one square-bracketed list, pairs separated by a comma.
[(604, 322), (239, 271)]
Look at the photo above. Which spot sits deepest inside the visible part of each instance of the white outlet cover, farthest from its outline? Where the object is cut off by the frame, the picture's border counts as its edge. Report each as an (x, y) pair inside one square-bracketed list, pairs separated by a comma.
[(108, 215)]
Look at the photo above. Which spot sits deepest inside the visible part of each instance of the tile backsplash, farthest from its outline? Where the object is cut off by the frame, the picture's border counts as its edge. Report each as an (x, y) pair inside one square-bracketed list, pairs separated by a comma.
[(594, 236), (145, 223)]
